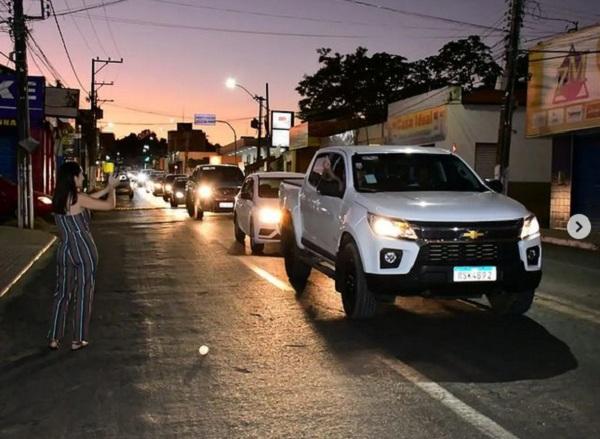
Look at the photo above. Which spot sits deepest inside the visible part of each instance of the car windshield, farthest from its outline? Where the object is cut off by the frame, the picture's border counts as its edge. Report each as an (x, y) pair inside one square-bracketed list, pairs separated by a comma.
[(403, 172), (180, 182), (269, 187), (223, 174), (172, 177)]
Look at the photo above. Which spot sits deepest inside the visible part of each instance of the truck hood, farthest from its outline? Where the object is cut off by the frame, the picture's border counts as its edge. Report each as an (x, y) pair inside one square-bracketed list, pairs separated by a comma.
[(443, 206)]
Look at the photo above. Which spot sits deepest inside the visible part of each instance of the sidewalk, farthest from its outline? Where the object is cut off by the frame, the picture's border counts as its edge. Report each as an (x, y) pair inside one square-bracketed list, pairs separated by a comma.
[(561, 237), (19, 249)]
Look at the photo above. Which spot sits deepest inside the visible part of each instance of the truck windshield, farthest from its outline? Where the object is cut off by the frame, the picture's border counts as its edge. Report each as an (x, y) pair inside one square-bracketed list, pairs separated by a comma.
[(403, 172)]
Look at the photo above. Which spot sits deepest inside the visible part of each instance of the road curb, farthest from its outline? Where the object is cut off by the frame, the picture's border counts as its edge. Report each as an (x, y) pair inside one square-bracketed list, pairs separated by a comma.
[(24, 271), (570, 243)]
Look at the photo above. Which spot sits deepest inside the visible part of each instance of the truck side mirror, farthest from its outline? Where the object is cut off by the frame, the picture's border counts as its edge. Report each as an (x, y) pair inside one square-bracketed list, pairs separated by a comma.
[(495, 185)]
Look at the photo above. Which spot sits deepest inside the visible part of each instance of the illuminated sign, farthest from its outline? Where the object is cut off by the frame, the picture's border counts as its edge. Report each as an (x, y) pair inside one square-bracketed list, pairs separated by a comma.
[(282, 120), (564, 91)]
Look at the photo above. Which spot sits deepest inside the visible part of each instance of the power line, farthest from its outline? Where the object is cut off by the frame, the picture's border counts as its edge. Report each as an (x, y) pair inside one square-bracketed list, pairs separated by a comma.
[(79, 30), (418, 14), (65, 47), (98, 39), (112, 35), (39, 52), (224, 30), (88, 8)]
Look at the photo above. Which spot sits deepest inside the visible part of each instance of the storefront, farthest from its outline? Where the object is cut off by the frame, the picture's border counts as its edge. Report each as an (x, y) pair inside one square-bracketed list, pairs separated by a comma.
[(564, 106)]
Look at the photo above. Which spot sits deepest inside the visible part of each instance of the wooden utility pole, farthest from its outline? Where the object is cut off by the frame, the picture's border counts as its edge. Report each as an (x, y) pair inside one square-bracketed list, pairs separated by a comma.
[(25, 212), (508, 87)]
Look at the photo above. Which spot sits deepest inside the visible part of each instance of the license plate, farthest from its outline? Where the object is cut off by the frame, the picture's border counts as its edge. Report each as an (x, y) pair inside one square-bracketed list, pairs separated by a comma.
[(475, 274), (226, 205)]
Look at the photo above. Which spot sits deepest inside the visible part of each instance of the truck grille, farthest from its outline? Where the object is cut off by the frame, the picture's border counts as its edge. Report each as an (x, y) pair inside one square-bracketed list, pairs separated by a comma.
[(453, 253), (229, 192), (490, 230)]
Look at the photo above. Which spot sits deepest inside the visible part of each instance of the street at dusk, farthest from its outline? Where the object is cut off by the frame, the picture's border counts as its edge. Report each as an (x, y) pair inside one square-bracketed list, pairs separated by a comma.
[(282, 366)]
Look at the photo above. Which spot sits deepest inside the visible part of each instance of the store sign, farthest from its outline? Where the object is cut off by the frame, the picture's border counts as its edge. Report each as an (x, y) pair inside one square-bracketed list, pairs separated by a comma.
[(62, 102), (282, 120), (424, 126), (564, 91), (9, 93), (281, 138)]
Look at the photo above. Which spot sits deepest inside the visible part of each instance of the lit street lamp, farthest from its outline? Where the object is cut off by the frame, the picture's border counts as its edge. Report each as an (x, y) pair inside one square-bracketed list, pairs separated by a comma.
[(231, 83)]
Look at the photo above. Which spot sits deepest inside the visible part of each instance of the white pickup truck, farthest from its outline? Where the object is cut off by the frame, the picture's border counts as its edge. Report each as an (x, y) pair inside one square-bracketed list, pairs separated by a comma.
[(387, 221)]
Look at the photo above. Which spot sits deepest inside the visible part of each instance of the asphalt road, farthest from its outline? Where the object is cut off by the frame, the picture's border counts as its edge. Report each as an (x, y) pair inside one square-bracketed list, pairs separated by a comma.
[(282, 366)]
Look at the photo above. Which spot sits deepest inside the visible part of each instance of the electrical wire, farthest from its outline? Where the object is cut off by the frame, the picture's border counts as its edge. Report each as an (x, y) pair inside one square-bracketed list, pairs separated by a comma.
[(83, 37), (224, 30), (65, 47), (39, 52), (88, 8), (417, 14), (98, 39)]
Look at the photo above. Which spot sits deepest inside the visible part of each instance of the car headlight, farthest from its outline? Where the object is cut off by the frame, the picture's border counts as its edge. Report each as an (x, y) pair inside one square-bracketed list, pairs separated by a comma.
[(531, 227), (142, 178), (391, 228), (268, 215), (168, 187), (205, 191), (157, 185), (45, 200), (179, 194)]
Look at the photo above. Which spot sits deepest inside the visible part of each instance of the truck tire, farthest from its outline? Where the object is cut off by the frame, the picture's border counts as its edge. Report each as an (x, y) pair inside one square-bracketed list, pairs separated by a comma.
[(511, 304), (174, 203), (198, 213), (239, 233), (359, 302), (297, 270), (189, 207)]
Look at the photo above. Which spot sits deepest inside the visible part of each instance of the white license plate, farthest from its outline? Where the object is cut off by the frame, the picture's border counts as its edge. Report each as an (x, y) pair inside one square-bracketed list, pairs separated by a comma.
[(475, 274), (226, 205)]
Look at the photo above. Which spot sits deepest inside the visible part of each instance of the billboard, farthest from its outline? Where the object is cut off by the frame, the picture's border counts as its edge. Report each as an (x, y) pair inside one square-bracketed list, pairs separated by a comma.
[(8, 99), (205, 119), (62, 102), (425, 126), (564, 90)]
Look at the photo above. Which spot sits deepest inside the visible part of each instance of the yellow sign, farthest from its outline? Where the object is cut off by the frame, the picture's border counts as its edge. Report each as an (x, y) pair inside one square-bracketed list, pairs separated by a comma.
[(108, 167), (420, 127), (564, 91)]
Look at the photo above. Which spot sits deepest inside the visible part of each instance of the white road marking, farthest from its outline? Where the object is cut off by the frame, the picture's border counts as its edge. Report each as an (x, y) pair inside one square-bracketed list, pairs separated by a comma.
[(27, 267), (267, 276), (567, 307), (481, 422)]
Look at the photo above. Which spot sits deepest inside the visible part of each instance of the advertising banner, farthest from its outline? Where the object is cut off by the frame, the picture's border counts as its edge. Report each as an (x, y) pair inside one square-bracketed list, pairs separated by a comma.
[(8, 100), (425, 126), (564, 90)]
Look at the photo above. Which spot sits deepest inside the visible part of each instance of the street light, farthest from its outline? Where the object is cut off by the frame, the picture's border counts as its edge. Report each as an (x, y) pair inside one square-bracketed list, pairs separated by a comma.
[(231, 84)]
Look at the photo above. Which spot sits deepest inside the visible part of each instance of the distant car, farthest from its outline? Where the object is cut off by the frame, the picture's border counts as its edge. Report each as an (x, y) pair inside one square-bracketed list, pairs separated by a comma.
[(212, 188), (256, 212), (168, 185), (125, 186), (154, 180), (42, 203), (142, 178), (177, 195)]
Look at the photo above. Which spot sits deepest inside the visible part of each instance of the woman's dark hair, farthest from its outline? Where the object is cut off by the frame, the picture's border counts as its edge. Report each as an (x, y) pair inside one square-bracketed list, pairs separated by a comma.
[(66, 189)]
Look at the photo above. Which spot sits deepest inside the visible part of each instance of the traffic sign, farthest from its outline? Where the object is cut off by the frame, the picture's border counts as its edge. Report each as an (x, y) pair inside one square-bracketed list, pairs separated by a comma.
[(205, 119)]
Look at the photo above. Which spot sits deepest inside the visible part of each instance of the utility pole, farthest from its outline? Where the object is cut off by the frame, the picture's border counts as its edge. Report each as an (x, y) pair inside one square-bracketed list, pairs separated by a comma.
[(26, 144), (260, 123), (268, 125), (508, 87), (93, 149)]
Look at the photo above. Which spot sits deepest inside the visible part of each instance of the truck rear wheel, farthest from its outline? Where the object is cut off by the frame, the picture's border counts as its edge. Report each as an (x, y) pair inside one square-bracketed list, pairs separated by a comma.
[(511, 304), (359, 302), (297, 270)]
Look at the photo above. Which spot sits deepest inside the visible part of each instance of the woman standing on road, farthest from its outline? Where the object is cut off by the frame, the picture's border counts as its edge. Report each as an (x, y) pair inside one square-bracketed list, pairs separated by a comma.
[(76, 257)]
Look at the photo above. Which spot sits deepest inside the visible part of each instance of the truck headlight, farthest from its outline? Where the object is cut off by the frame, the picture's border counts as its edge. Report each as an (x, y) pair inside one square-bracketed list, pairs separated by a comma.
[(531, 227), (179, 194), (168, 187), (391, 228), (45, 200), (205, 191), (268, 215)]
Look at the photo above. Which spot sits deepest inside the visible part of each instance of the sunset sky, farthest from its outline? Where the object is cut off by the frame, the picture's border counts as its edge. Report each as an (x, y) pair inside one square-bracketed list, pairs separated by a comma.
[(178, 53)]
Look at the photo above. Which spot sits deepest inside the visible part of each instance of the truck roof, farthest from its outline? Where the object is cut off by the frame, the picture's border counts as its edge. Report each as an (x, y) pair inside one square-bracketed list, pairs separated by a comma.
[(387, 149), (278, 175)]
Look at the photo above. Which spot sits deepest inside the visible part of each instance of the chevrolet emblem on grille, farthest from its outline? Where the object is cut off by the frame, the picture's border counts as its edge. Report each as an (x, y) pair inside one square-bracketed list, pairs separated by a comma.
[(473, 234)]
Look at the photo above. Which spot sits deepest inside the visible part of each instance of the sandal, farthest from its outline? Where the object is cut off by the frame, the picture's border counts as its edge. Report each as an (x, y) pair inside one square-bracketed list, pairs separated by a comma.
[(76, 345), (54, 344)]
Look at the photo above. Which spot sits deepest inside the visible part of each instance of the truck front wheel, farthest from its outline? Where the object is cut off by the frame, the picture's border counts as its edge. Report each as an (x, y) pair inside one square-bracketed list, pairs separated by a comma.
[(359, 302), (296, 269), (511, 304)]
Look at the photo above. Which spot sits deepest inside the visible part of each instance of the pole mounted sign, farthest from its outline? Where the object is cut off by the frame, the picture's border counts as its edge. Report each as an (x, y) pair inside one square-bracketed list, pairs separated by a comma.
[(205, 119)]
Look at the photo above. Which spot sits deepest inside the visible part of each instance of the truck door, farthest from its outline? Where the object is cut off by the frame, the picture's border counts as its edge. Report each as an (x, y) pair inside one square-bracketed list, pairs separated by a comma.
[(310, 202)]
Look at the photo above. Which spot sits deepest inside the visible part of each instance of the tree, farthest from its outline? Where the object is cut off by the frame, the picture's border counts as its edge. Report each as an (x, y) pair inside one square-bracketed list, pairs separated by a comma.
[(353, 86), (467, 62), (356, 86)]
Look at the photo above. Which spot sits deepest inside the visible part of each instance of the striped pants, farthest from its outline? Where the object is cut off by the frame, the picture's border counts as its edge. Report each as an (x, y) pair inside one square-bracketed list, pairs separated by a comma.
[(77, 259)]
